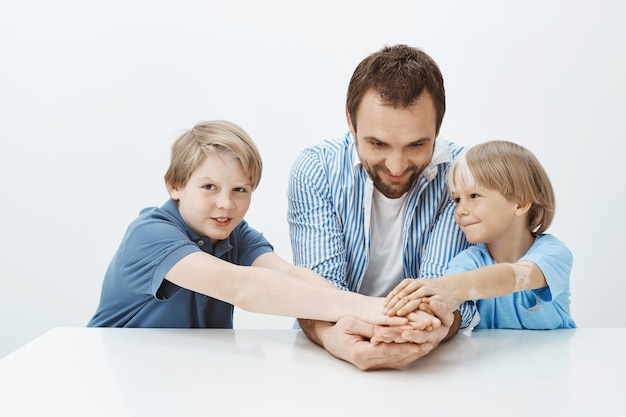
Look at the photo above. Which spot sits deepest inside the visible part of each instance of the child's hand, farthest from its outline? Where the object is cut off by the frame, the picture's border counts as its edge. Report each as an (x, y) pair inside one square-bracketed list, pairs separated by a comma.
[(418, 320), (410, 294), (423, 319), (372, 311), (404, 293)]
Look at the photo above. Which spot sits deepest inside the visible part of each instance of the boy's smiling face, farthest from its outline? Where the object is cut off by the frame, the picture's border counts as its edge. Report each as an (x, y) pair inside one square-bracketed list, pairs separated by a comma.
[(216, 197)]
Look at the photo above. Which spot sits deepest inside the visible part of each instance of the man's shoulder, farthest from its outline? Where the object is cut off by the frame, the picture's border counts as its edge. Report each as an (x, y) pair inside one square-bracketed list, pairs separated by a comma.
[(332, 146), (454, 148), (330, 153)]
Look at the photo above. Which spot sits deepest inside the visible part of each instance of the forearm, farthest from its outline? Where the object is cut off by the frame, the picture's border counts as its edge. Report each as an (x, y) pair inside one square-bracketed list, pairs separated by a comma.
[(494, 281), (268, 288), (315, 329), (311, 276), (286, 295)]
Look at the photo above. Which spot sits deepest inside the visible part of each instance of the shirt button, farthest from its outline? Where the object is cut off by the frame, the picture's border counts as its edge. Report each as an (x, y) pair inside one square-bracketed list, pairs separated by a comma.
[(200, 242)]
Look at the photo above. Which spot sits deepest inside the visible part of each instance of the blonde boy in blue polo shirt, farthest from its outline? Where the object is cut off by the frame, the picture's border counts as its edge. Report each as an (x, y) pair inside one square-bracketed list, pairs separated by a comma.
[(186, 263)]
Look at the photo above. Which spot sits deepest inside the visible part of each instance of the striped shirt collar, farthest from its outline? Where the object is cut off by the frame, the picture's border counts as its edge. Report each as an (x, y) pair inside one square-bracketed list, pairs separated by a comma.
[(441, 155)]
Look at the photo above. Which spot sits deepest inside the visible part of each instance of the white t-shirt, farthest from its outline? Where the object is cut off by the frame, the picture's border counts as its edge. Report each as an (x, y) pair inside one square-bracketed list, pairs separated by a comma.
[(384, 269)]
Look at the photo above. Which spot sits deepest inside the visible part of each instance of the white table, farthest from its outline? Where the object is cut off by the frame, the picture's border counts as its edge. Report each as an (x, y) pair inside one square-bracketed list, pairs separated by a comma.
[(166, 372)]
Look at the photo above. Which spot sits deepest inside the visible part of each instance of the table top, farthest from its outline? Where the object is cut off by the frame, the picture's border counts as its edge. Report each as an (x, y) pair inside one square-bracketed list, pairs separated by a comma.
[(194, 372)]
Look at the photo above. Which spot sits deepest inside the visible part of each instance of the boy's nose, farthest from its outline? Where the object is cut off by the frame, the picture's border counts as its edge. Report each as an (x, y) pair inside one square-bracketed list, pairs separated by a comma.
[(224, 201), (461, 209)]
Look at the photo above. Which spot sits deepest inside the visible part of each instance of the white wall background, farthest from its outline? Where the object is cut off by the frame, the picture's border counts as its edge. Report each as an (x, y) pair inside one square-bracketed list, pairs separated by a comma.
[(92, 94)]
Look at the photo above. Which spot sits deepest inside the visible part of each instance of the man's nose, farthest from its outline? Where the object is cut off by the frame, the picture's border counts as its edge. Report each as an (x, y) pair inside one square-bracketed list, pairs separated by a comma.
[(396, 163)]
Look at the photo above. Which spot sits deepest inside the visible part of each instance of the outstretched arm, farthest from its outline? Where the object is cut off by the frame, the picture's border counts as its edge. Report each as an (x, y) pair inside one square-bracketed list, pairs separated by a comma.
[(273, 286), (486, 282)]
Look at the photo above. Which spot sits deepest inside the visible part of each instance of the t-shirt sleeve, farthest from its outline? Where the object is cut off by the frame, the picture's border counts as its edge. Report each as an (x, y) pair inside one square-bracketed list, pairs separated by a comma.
[(555, 261), (152, 248)]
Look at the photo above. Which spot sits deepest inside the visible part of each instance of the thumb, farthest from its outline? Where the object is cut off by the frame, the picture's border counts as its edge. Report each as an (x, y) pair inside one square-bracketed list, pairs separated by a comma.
[(358, 327), (442, 311)]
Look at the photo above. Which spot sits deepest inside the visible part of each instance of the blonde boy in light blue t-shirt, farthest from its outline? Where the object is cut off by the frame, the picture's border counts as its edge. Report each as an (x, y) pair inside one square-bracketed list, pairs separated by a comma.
[(517, 275)]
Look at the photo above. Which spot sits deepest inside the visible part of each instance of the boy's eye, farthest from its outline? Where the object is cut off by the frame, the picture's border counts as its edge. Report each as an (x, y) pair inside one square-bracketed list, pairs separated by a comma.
[(474, 195), (241, 190), (209, 187), (456, 200)]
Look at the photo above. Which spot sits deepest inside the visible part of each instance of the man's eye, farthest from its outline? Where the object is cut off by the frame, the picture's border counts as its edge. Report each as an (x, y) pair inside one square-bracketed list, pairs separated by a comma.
[(241, 190)]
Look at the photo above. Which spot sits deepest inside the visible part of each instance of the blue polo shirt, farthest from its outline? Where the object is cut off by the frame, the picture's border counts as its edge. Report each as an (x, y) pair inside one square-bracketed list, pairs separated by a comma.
[(134, 291)]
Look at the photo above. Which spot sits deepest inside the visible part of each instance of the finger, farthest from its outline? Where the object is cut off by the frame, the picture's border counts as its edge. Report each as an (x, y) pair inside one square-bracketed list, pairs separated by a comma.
[(422, 318), (424, 292), (412, 286), (399, 355), (425, 307), (395, 304), (396, 290), (391, 320), (390, 335), (442, 311), (352, 325), (417, 336), (397, 298), (401, 290), (409, 307)]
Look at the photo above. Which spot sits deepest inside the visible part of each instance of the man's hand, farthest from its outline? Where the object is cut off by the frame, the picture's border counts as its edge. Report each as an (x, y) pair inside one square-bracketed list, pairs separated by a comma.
[(348, 339)]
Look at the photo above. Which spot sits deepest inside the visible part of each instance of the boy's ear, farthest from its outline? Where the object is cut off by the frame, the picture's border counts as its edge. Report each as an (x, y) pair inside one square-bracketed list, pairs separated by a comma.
[(173, 189), (523, 208)]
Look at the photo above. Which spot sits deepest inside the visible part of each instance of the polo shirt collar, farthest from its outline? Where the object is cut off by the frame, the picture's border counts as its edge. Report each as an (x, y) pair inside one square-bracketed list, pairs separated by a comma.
[(204, 242)]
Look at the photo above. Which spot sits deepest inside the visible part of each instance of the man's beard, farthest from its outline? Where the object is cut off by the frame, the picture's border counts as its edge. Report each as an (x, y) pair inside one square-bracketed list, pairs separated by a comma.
[(393, 190)]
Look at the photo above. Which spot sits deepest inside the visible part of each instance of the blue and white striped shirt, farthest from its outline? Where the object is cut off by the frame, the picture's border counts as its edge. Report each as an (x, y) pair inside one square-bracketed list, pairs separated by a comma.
[(330, 201)]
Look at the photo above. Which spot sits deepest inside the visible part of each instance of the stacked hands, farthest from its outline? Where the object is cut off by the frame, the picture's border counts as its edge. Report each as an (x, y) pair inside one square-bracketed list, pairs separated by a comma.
[(408, 324), (422, 302)]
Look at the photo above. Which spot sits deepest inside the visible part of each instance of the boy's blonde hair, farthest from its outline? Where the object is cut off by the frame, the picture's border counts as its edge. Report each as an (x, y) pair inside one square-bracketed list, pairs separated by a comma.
[(190, 149), (514, 172)]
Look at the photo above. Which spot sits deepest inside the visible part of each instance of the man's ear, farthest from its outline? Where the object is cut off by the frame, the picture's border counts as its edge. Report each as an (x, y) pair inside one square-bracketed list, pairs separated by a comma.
[(350, 125), (523, 208)]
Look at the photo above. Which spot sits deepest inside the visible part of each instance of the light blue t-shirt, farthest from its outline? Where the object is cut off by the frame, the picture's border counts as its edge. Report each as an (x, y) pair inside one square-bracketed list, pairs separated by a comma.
[(134, 291), (544, 308)]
